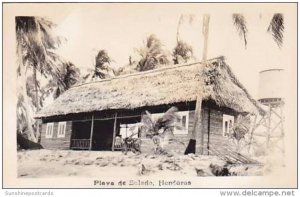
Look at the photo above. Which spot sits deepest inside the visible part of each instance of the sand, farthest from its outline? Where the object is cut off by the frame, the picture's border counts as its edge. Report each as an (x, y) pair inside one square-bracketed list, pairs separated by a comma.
[(66, 163)]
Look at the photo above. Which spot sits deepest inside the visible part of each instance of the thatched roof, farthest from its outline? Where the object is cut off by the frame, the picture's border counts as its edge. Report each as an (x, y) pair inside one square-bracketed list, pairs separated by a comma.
[(166, 85)]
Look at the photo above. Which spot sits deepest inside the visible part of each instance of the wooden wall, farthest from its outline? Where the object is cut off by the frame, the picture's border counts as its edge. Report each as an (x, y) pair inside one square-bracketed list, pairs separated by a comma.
[(216, 138), (55, 142), (209, 109)]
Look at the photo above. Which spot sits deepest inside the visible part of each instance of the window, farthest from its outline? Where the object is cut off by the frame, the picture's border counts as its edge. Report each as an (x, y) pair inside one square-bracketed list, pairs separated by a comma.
[(184, 122), (228, 122), (184, 118), (61, 131), (49, 130)]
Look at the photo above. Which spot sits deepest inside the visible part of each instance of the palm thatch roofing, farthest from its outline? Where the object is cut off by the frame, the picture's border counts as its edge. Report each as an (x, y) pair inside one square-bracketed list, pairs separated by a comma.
[(213, 80)]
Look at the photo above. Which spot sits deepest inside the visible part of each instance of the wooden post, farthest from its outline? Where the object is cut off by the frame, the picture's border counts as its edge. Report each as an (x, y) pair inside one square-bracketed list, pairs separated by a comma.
[(269, 127), (91, 135), (208, 131), (38, 131), (114, 133), (197, 133), (251, 133)]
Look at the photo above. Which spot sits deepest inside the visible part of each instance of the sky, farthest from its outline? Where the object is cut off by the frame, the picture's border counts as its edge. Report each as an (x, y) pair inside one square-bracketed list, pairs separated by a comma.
[(120, 28)]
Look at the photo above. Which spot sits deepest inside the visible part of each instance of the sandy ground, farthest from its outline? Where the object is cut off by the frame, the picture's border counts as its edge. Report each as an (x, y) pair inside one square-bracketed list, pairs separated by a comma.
[(54, 163)]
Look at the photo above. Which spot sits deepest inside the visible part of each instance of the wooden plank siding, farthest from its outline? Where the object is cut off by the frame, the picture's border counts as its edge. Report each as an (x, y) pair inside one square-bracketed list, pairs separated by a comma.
[(217, 140), (216, 123), (55, 142)]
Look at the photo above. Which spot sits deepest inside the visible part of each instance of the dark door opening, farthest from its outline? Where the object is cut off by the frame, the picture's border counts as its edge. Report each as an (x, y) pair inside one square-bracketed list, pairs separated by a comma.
[(81, 131), (103, 134)]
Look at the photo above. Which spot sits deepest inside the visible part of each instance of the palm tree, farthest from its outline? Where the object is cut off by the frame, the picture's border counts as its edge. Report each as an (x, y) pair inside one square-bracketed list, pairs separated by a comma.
[(276, 28), (180, 21), (70, 75), (157, 129), (183, 18), (239, 22), (240, 129), (191, 147), (151, 54), (102, 67), (35, 44), (182, 51)]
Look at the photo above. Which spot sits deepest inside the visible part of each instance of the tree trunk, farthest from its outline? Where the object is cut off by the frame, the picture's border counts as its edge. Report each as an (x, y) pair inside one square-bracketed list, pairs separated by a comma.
[(178, 27), (36, 90), (205, 30), (37, 103), (26, 105), (197, 133)]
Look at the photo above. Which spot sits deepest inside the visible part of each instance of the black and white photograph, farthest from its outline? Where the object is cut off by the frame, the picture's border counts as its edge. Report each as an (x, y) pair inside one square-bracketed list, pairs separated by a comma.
[(150, 95)]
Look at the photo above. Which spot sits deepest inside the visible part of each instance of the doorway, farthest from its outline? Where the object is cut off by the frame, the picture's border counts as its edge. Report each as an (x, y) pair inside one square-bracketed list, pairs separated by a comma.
[(103, 135)]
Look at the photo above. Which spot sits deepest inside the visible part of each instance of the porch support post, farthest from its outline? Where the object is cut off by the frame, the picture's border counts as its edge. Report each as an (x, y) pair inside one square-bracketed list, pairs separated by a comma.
[(114, 133), (198, 133), (38, 132), (92, 131), (208, 131), (269, 126)]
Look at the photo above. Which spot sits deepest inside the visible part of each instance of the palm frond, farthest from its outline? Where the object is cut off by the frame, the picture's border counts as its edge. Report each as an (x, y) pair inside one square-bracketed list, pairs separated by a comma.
[(239, 22), (182, 50), (151, 54), (168, 120), (241, 127), (35, 40), (147, 123), (102, 68), (276, 28)]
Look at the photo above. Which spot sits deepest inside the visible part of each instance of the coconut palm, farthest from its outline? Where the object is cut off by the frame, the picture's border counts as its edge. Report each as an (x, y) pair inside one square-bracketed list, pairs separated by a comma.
[(21, 115), (191, 147), (70, 75), (35, 44), (156, 129), (276, 28), (102, 67), (182, 19), (182, 52), (239, 22), (151, 54), (240, 130)]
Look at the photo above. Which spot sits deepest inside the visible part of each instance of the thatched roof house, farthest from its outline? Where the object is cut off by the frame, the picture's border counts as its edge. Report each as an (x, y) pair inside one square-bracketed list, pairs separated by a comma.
[(162, 86), (89, 116)]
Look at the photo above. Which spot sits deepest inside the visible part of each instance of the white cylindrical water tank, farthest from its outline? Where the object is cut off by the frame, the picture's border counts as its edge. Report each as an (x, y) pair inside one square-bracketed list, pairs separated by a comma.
[(271, 85)]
